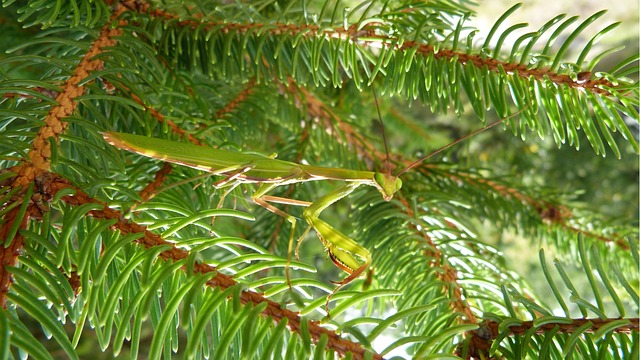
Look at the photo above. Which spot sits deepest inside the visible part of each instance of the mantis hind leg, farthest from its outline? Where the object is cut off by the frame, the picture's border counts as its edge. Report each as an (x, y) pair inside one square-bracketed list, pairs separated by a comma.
[(263, 200), (231, 181)]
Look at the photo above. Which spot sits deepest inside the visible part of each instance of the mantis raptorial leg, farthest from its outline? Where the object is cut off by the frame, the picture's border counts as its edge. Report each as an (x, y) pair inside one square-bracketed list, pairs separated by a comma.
[(340, 255), (340, 247)]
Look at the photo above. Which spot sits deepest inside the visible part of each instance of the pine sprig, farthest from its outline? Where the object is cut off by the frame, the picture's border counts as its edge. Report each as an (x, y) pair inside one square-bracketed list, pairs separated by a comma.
[(120, 242)]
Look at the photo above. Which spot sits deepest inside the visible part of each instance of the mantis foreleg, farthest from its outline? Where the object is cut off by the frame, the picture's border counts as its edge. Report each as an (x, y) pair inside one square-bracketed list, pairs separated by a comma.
[(343, 251), (340, 247)]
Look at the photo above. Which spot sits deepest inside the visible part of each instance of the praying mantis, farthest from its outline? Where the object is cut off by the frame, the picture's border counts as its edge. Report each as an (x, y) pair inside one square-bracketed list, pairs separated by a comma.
[(269, 173)]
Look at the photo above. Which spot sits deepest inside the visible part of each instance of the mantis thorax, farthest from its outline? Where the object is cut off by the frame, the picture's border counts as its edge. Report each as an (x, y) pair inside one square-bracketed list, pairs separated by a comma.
[(387, 184)]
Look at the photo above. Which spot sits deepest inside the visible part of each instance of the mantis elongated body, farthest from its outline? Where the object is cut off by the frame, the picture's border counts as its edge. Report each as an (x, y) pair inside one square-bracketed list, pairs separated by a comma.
[(269, 173)]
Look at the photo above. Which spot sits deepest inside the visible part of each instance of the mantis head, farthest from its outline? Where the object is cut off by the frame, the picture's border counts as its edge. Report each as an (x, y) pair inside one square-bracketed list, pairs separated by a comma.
[(387, 184)]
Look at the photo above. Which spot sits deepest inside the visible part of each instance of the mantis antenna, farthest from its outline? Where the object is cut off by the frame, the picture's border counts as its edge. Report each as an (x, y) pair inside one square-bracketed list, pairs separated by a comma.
[(437, 151), (384, 136)]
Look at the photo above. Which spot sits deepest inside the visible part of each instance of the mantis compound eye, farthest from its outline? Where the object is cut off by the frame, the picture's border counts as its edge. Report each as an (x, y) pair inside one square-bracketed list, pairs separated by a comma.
[(398, 184)]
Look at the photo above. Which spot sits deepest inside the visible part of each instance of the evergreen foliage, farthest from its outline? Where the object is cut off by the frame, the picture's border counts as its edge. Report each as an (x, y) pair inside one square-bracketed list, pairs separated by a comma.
[(151, 260)]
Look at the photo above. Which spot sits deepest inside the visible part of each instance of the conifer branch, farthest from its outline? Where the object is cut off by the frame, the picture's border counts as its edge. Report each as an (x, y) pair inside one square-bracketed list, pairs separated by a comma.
[(55, 125), (273, 310), (585, 80), (9, 255), (448, 275), (317, 109), (288, 49), (240, 98), (163, 120), (151, 189), (565, 328), (554, 214), (482, 338), (39, 156)]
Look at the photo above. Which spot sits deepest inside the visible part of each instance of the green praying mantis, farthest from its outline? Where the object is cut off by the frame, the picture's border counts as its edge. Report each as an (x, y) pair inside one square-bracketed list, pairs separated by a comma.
[(270, 173)]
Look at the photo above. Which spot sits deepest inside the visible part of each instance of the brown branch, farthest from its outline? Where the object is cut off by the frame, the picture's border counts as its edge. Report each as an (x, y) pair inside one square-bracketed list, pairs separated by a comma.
[(242, 96), (448, 276), (553, 214), (483, 337), (620, 242), (371, 31), (39, 156), (9, 255), (46, 92), (162, 119), (151, 189), (75, 282), (594, 85), (54, 122), (318, 110), (273, 309), (566, 328)]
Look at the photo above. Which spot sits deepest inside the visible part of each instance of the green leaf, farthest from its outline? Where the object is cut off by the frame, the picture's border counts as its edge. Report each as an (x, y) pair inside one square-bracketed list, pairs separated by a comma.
[(23, 298), (5, 335)]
